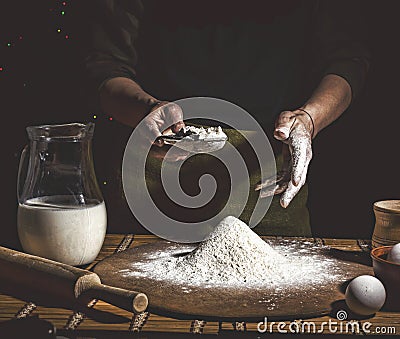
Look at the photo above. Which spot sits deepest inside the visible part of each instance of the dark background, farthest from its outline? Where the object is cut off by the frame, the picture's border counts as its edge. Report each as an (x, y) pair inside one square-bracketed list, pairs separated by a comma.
[(355, 160)]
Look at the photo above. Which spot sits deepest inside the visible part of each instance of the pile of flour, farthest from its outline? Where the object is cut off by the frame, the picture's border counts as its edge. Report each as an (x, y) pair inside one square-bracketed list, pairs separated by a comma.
[(235, 256), (232, 254)]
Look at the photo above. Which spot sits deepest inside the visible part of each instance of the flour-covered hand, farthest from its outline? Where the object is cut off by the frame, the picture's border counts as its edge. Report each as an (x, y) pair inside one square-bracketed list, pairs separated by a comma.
[(295, 130)]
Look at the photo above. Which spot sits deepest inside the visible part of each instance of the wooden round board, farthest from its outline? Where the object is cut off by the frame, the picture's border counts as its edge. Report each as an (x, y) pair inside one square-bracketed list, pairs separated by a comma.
[(183, 301)]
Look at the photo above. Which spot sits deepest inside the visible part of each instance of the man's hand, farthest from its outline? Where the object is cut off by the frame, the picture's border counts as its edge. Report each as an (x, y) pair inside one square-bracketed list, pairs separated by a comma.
[(129, 104), (163, 118), (295, 130)]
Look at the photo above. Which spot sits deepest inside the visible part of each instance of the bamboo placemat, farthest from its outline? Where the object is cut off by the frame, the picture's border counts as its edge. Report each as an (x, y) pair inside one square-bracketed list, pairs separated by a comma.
[(101, 317)]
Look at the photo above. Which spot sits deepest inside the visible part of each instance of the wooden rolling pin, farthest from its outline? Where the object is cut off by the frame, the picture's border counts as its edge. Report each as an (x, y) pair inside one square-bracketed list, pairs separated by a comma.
[(65, 281)]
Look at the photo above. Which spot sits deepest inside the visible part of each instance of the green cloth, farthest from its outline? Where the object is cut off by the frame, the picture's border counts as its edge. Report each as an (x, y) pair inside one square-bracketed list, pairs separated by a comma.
[(292, 221)]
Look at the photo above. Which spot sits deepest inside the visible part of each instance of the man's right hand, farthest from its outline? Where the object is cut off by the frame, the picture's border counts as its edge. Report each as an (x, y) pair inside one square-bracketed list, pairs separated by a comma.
[(124, 99), (163, 117)]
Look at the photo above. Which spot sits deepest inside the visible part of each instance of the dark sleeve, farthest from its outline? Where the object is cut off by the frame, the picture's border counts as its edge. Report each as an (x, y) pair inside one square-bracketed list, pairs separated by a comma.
[(341, 37), (113, 30)]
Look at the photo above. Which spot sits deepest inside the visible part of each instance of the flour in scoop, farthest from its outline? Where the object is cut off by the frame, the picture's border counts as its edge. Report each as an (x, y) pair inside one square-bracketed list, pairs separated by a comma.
[(235, 256), (208, 133), (200, 139)]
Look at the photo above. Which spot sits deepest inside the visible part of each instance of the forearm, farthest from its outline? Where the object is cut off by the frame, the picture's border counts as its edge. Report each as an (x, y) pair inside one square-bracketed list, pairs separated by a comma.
[(125, 100), (329, 100)]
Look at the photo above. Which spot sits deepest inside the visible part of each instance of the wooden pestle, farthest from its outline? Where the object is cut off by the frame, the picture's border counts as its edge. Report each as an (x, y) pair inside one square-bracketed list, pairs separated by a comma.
[(65, 281)]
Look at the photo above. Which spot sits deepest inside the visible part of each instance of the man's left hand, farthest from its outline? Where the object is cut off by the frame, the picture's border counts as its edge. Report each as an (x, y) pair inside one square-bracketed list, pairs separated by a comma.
[(295, 130)]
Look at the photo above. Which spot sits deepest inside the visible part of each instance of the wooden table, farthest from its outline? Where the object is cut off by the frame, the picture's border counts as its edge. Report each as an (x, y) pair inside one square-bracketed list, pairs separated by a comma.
[(103, 320)]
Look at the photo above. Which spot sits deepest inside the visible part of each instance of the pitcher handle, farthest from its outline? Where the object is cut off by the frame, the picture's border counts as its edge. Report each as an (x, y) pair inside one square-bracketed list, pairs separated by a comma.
[(20, 166)]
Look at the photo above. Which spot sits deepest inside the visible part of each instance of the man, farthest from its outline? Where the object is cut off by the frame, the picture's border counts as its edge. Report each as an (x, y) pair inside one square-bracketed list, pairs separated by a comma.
[(295, 65)]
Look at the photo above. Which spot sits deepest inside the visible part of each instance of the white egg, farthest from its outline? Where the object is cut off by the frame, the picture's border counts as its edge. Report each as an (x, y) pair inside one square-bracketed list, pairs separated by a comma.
[(394, 254), (365, 295)]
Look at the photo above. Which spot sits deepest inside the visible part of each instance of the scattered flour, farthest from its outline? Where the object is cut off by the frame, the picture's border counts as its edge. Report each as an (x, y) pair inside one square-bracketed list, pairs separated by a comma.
[(234, 256)]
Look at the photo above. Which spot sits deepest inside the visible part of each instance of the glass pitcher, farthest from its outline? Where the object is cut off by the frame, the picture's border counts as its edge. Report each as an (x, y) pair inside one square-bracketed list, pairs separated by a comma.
[(61, 211)]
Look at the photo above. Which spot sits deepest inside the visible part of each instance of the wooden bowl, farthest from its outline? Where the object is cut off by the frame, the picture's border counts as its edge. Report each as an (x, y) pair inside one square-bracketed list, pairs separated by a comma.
[(387, 223), (389, 274)]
